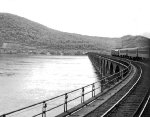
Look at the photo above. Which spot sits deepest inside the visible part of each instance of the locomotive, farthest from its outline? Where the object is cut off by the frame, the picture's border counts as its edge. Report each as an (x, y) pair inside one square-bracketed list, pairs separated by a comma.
[(132, 53)]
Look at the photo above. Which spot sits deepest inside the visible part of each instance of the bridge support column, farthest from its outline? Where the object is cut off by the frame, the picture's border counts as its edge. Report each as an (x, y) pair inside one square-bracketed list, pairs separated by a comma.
[(101, 68)]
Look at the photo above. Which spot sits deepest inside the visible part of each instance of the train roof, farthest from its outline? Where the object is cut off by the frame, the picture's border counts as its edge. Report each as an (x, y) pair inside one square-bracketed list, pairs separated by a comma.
[(115, 49), (145, 47), (131, 48)]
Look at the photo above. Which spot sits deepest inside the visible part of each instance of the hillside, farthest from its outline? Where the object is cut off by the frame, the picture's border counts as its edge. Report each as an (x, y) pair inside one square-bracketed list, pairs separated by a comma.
[(129, 41), (23, 35)]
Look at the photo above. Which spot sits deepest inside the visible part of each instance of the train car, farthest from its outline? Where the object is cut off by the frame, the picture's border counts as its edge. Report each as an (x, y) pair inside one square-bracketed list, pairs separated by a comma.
[(144, 52), (132, 53), (123, 52), (115, 52)]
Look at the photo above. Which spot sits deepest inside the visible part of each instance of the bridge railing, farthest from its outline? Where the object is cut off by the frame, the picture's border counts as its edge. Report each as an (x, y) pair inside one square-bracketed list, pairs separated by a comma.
[(71, 101)]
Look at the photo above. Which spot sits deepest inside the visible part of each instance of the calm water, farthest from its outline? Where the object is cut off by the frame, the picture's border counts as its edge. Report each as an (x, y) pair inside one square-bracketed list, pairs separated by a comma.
[(25, 80)]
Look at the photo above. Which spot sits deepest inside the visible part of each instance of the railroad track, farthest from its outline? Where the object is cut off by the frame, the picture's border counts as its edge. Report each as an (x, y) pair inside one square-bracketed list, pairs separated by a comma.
[(133, 103), (145, 111)]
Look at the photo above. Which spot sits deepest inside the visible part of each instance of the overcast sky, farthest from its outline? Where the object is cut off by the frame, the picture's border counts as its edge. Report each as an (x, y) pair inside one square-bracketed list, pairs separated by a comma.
[(109, 18)]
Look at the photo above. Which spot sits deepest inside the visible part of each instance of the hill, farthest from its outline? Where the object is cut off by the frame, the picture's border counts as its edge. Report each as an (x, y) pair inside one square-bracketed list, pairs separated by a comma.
[(18, 34), (129, 41)]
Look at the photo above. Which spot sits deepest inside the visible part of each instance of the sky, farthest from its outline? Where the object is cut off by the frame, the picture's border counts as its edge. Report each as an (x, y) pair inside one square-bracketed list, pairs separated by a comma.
[(106, 18)]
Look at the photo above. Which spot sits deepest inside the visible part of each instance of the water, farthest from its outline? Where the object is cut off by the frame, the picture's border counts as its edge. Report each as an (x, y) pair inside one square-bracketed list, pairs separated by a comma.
[(25, 80)]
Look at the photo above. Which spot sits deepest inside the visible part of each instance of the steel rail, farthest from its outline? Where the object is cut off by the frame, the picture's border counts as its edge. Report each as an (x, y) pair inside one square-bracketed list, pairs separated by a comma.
[(118, 102), (144, 106)]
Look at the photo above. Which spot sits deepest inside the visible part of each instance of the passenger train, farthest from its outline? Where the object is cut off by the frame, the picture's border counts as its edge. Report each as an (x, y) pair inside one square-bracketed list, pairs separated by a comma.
[(132, 53)]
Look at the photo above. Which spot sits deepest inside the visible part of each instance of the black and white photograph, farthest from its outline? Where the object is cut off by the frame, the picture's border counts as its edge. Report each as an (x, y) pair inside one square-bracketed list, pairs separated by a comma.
[(74, 58)]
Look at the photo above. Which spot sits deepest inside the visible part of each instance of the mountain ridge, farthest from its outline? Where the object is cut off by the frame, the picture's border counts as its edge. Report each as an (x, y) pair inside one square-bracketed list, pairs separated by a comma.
[(32, 35)]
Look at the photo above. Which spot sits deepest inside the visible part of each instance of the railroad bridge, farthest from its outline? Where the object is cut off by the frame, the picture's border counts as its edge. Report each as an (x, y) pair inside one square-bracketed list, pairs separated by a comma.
[(123, 90), (104, 65)]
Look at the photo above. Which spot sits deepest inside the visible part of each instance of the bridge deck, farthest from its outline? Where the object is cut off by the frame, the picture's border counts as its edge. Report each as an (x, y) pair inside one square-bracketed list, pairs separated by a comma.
[(103, 98)]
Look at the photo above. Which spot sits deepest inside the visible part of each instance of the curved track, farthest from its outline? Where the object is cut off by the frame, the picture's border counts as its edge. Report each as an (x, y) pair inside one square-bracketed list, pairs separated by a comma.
[(133, 102), (145, 111)]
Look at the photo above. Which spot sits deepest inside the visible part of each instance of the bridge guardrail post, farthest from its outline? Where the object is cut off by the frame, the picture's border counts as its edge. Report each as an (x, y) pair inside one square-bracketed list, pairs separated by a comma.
[(82, 95), (118, 77), (115, 79), (107, 82), (3, 116), (44, 109), (122, 74), (93, 90), (65, 104)]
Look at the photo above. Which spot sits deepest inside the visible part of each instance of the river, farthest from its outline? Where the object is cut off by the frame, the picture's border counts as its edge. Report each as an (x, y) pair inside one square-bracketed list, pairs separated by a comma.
[(25, 80)]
